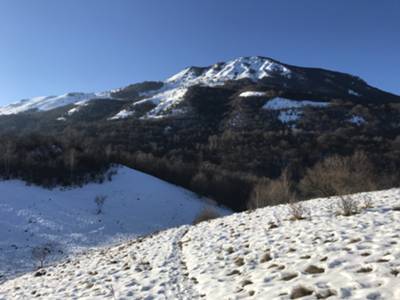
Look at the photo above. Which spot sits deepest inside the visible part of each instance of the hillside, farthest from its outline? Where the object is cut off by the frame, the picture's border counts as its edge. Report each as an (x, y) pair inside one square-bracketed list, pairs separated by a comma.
[(261, 254), (218, 130), (68, 220)]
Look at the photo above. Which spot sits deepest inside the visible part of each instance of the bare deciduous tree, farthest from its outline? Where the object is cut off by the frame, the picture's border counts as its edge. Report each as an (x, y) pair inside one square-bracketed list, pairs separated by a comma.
[(99, 200), (40, 253)]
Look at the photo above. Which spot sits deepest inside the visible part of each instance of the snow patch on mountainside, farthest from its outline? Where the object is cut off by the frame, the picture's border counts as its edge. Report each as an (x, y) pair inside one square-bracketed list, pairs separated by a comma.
[(283, 103), (50, 102), (353, 93), (123, 114), (252, 94), (262, 254), (357, 120), (164, 100), (135, 204), (291, 110)]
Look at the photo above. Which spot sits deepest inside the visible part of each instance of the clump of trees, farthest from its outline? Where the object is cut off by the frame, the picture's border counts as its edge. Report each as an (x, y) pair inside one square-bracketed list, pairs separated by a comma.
[(272, 192), (340, 175)]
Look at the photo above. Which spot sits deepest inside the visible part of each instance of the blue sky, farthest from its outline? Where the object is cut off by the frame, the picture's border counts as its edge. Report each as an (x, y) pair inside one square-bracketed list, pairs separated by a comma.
[(52, 47)]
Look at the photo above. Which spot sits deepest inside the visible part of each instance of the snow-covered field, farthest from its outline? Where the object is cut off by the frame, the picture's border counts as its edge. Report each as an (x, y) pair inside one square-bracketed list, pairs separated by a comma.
[(252, 255), (68, 220)]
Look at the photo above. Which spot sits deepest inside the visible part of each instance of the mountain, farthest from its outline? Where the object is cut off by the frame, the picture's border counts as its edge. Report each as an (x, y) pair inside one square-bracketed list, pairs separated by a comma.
[(70, 220), (262, 254), (221, 131), (160, 99)]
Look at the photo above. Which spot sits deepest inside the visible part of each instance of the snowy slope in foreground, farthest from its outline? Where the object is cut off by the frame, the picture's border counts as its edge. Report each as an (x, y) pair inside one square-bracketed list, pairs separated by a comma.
[(253, 255), (136, 204)]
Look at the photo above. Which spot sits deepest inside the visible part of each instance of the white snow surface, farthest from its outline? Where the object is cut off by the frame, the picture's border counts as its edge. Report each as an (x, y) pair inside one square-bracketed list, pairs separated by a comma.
[(291, 110), (279, 103), (354, 93), (252, 94), (357, 120), (123, 114), (262, 254), (50, 102), (135, 204)]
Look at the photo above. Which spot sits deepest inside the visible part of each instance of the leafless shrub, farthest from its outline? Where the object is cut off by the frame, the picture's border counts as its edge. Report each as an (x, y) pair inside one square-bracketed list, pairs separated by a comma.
[(297, 211), (348, 206), (206, 214), (271, 192), (367, 202), (99, 200)]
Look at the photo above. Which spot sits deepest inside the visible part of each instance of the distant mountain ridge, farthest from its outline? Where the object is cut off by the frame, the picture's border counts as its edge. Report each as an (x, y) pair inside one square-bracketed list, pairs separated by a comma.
[(159, 99)]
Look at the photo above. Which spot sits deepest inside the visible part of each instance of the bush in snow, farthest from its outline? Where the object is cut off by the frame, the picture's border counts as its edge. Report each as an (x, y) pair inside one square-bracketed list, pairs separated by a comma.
[(367, 202), (99, 200), (271, 192), (348, 206), (297, 211), (206, 214)]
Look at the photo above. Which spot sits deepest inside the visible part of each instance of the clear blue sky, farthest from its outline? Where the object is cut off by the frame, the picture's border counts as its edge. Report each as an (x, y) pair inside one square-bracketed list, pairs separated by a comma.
[(51, 47)]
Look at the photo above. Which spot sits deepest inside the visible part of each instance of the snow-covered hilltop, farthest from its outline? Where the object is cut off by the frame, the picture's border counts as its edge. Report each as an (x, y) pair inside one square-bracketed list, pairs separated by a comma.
[(263, 254), (50, 102), (69, 220)]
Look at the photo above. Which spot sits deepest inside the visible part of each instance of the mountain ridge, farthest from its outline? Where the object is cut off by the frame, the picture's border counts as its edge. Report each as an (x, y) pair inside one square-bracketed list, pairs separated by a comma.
[(171, 92)]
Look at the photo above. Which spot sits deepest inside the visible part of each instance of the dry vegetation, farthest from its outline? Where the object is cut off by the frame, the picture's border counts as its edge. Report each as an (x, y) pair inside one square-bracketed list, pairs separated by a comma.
[(206, 214)]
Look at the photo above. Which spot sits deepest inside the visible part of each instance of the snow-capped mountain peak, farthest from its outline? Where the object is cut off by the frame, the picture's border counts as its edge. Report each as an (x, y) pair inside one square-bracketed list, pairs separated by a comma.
[(251, 67), (176, 86)]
